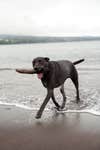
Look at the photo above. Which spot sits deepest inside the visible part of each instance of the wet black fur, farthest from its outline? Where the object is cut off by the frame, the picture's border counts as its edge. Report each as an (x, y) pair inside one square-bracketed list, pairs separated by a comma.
[(55, 74)]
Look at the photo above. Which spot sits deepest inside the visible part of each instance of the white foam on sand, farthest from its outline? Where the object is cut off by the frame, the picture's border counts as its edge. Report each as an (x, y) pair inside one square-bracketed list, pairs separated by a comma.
[(20, 106), (91, 111)]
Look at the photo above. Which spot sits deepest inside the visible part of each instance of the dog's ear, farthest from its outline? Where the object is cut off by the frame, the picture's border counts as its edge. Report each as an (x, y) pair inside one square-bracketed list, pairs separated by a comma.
[(47, 59)]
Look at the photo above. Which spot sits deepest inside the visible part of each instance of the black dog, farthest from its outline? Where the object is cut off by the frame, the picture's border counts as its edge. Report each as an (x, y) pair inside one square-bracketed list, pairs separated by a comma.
[(53, 74)]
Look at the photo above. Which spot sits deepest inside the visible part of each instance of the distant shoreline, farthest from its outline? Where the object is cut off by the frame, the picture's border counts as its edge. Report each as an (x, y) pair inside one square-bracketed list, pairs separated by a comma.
[(15, 39)]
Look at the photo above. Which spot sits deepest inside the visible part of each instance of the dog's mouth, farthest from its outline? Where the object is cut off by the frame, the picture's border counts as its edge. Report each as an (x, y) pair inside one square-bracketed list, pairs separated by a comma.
[(40, 75), (39, 72)]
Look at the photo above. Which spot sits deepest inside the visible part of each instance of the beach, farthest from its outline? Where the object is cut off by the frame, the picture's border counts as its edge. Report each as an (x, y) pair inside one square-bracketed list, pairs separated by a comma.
[(19, 130), (21, 96)]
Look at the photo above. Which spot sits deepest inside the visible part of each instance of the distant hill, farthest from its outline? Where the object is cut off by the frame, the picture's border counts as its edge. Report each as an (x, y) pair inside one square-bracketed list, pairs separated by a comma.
[(16, 39)]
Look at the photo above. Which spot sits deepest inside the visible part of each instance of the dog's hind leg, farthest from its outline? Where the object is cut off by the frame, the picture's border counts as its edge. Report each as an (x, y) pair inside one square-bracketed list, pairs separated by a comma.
[(64, 96), (75, 82)]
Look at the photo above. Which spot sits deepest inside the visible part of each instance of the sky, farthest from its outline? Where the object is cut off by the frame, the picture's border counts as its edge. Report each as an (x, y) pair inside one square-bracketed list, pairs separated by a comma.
[(50, 17)]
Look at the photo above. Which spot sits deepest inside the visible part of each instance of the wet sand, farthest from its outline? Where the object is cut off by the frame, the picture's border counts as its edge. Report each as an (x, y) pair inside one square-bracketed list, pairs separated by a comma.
[(19, 130)]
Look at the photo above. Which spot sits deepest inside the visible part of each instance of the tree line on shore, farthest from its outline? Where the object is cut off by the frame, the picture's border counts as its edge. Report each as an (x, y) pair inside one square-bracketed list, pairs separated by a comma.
[(15, 39)]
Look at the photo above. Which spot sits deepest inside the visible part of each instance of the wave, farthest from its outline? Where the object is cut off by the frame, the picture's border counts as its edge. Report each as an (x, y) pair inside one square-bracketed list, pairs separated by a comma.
[(4, 69), (90, 111), (90, 68), (20, 106)]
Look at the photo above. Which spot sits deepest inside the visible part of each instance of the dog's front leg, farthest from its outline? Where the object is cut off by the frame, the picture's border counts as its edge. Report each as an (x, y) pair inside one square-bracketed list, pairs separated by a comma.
[(49, 94)]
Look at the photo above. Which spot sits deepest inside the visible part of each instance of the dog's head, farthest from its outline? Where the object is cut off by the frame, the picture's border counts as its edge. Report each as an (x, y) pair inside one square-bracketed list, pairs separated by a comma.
[(41, 66)]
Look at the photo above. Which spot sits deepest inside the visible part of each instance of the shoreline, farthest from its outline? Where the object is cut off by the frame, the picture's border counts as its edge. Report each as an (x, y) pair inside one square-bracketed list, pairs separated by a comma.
[(48, 114), (28, 108)]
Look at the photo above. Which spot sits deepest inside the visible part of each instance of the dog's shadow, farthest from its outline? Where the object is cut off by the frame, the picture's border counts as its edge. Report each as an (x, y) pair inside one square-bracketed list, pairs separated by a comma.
[(59, 120), (56, 120)]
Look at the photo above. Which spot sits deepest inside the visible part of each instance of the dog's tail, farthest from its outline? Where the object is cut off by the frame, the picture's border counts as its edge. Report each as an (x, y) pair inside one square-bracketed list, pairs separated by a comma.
[(79, 61)]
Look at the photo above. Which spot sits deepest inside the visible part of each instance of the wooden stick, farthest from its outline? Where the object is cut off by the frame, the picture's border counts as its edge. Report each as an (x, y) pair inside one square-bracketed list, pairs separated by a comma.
[(25, 71)]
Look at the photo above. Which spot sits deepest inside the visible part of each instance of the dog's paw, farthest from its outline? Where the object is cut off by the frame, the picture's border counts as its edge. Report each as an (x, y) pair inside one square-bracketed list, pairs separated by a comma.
[(38, 116), (58, 108), (77, 100)]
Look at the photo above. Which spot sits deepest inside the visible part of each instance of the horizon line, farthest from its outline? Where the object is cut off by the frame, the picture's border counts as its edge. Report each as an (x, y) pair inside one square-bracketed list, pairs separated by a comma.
[(50, 35)]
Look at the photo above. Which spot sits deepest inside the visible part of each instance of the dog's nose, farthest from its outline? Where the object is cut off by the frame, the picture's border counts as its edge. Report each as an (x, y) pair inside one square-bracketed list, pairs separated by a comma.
[(35, 68)]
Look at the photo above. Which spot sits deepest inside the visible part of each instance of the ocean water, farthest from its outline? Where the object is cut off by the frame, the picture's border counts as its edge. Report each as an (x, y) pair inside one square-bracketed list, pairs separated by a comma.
[(26, 91)]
